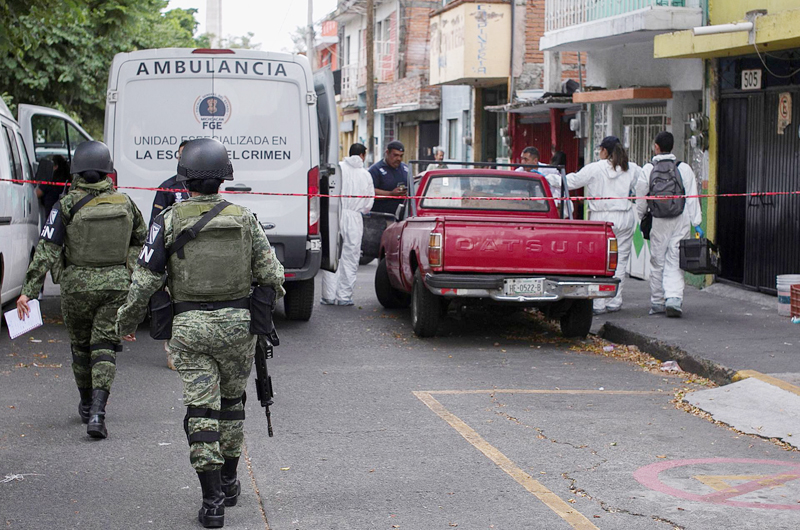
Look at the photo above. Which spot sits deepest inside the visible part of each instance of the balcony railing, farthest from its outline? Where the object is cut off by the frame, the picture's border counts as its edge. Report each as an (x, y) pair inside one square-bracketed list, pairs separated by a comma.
[(560, 14), (354, 76)]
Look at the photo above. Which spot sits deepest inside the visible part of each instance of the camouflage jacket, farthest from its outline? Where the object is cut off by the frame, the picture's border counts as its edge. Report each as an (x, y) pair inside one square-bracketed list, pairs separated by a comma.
[(148, 278), (50, 249)]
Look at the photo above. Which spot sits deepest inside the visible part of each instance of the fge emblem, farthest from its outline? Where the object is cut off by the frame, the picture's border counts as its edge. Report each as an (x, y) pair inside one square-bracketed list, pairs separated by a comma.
[(212, 110)]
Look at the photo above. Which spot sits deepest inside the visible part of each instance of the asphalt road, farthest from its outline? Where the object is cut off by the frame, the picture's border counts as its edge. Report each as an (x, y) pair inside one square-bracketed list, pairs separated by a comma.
[(495, 423)]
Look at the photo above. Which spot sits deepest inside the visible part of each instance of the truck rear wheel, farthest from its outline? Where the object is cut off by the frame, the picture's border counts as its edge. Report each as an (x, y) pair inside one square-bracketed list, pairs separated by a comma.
[(388, 296), (299, 300), (426, 309), (577, 321)]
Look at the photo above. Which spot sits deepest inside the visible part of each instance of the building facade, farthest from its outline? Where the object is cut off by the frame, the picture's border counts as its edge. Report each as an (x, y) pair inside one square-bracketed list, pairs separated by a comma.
[(750, 128), (406, 105), (486, 57), (626, 92)]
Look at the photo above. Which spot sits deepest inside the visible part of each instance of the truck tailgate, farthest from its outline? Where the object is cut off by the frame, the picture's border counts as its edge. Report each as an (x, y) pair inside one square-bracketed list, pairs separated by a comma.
[(525, 246)]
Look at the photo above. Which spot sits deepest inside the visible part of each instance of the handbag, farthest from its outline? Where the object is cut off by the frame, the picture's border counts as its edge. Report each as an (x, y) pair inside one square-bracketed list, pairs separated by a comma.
[(647, 224)]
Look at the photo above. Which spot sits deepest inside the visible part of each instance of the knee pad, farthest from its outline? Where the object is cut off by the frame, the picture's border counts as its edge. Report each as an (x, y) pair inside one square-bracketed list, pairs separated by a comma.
[(200, 436), (232, 415), (107, 346)]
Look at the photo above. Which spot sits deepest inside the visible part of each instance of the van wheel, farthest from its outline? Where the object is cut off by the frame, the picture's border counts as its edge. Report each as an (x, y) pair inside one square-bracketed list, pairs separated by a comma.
[(426, 309), (299, 300), (364, 260), (577, 321), (388, 296)]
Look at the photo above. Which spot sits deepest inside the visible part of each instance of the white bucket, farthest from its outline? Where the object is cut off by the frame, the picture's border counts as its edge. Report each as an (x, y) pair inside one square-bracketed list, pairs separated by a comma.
[(784, 285)]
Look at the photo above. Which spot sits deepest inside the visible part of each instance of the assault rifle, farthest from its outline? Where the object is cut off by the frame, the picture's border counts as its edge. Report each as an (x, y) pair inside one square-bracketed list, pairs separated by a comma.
[(263, 380)]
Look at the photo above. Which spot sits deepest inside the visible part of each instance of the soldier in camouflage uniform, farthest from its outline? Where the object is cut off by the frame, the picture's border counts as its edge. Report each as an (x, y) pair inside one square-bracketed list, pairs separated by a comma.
[(209, 280), (97, 232)]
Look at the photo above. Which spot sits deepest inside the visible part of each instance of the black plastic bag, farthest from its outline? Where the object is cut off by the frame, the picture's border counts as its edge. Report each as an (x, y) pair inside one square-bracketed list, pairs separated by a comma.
[(262, 301), (161, 314)]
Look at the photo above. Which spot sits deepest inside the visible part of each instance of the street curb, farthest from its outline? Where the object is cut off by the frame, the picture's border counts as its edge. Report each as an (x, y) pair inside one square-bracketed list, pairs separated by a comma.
[(663, 351)]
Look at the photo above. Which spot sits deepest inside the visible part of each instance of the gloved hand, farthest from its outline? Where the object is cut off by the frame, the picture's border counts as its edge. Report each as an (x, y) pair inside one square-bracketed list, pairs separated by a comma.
[(699, 231)]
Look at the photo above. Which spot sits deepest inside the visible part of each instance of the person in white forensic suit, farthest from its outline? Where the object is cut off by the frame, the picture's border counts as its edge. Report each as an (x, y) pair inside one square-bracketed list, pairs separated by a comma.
[(666, 276), (612, 176), (337, 288)]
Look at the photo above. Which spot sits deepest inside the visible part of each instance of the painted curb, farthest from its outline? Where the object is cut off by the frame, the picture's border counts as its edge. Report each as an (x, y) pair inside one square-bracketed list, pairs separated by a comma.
[(663, 351)]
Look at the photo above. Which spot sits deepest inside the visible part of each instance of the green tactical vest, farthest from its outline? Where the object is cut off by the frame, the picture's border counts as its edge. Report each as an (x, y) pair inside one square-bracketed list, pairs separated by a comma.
[(216, 265), (100, 233)]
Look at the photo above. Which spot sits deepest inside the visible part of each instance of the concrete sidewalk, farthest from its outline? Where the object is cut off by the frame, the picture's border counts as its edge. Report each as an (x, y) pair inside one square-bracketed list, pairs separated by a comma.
[(723, 330)]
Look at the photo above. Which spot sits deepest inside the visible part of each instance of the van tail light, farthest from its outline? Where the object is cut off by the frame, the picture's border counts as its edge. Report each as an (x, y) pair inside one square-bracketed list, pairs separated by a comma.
[(612, 254), (113, 177), (213, 51), (435, 249), (313, 201)]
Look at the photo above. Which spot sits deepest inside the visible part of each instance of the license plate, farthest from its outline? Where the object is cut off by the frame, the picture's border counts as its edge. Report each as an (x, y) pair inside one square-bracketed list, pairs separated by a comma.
[(523, 286)]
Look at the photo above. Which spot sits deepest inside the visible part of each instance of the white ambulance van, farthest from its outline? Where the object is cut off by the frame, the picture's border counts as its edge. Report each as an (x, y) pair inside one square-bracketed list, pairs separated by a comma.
[(39, 133), (278, 122)]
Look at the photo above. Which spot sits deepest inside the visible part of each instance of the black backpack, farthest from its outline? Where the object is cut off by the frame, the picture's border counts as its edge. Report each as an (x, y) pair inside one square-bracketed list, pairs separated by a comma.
[(665, 181)]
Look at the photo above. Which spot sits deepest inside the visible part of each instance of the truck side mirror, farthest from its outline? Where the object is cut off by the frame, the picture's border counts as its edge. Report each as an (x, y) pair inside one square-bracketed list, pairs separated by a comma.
[(399, 214)]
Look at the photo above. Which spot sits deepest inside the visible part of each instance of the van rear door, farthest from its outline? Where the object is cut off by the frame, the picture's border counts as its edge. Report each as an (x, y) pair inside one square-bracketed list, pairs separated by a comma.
[(48, 132), (329, 170)]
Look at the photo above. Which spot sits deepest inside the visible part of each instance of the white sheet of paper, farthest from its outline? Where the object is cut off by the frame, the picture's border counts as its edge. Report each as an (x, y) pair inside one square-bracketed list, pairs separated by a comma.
[(17, 327)]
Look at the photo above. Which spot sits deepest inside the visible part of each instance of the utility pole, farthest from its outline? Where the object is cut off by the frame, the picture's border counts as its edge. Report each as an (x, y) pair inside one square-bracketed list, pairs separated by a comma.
[(370, 79), (310, 36)]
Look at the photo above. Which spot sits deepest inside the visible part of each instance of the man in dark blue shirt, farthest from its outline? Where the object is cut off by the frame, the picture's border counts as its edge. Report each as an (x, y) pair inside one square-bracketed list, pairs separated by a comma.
[(390, 177), (177, 192)]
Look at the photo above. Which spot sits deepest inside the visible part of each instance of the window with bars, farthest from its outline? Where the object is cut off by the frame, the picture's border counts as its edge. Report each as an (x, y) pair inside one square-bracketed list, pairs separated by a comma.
[(640, 126), (388, 129)]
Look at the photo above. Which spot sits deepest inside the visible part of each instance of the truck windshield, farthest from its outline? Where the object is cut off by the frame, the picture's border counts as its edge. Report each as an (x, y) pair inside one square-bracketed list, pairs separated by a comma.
[(481, 192)]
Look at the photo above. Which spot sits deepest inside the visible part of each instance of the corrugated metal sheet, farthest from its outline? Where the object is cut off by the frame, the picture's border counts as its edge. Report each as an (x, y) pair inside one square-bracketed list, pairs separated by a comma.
[(780, 216), (732, 179)]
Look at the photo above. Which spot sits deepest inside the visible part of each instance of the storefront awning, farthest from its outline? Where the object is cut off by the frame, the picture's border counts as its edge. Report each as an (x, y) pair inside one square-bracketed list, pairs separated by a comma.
[(773, 32), (405, 107), (540, 105), (627, 95)]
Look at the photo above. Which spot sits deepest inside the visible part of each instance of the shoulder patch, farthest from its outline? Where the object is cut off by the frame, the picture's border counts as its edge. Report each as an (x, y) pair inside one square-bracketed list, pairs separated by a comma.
[(54, 229), (153, 255)]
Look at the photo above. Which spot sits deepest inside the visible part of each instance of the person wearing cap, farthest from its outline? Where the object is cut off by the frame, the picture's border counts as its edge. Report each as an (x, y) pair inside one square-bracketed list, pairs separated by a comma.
[(612, 176), (98, 232), (170, 192), (390, 178), (210, 251)]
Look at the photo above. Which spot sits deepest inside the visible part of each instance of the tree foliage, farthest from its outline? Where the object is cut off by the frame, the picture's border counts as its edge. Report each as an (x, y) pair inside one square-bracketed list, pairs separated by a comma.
[(58, 54)]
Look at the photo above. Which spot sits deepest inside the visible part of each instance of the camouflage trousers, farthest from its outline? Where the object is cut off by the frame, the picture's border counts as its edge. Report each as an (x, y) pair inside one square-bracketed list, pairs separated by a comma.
[(89, 317), (213, 352)]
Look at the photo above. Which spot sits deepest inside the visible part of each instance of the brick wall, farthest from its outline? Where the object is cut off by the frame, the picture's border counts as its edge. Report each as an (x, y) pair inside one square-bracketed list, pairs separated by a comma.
[(417, 25), (411, 89), (533, 58)]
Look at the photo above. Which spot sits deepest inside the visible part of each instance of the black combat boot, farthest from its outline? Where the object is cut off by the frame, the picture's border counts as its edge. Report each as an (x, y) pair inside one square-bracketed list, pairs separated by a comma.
[(212, 513), (85, 404), (97, 415), (230, 485)]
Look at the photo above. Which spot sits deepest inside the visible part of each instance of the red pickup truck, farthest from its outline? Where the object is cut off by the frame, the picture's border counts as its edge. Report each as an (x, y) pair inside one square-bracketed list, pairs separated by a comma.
[(479, 236)]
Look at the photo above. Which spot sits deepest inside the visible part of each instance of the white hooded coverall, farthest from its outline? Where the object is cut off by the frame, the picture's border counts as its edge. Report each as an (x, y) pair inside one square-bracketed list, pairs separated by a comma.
[(666, 276), (355, 181), (602, 180)]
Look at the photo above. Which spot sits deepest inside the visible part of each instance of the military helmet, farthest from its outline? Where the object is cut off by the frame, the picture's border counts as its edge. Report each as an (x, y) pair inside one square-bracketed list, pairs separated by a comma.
[(204, 158), (92, 156)]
